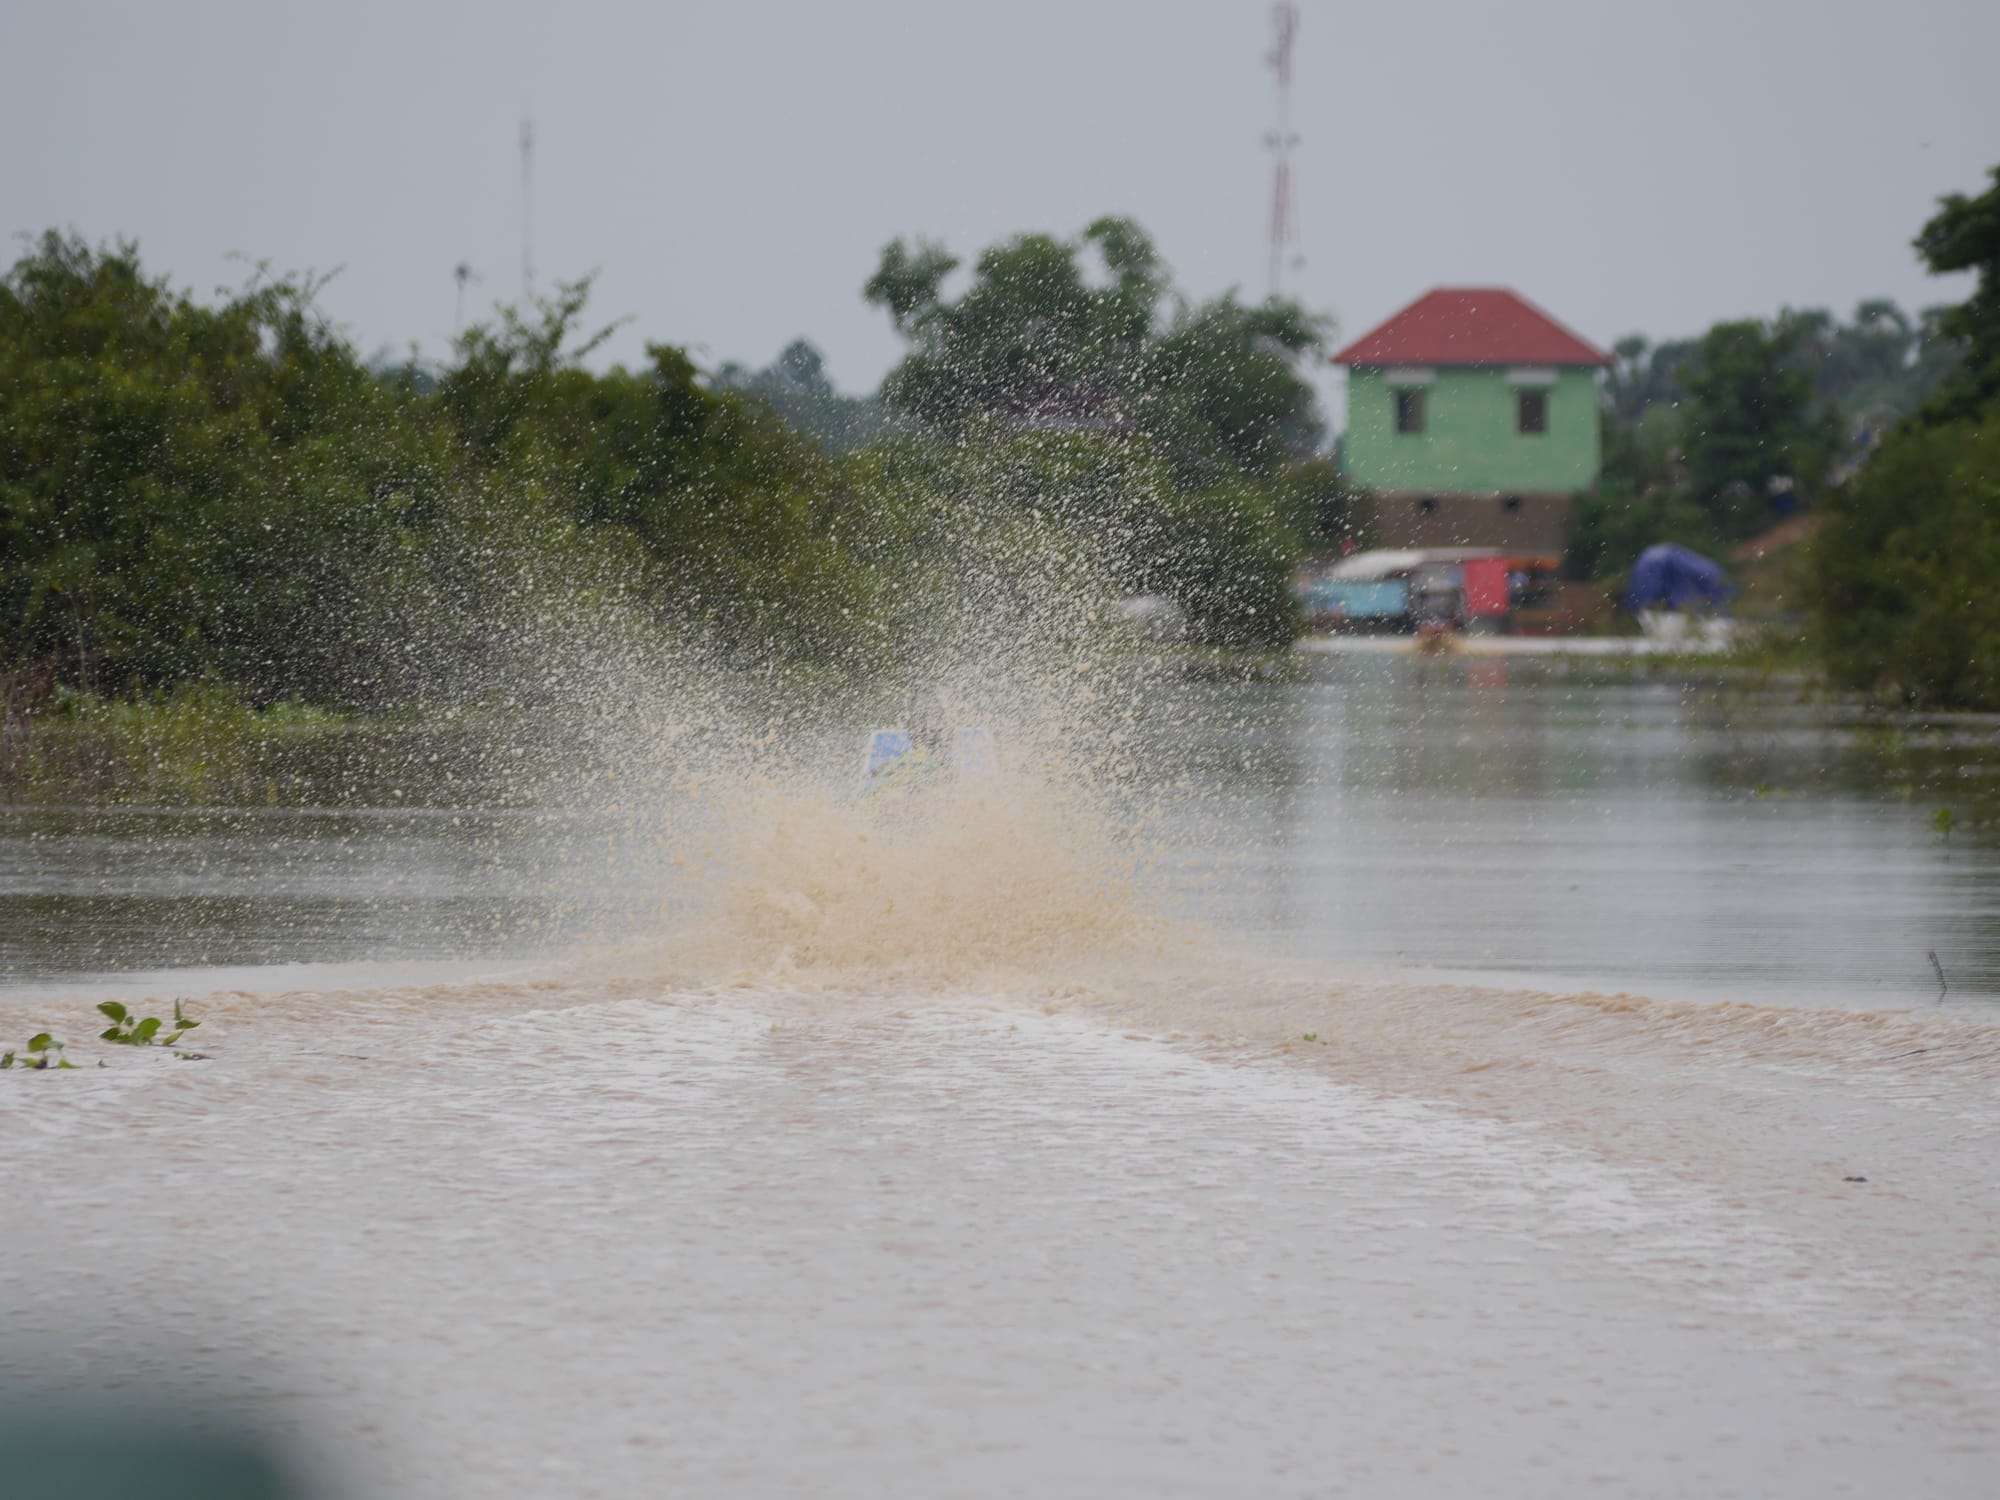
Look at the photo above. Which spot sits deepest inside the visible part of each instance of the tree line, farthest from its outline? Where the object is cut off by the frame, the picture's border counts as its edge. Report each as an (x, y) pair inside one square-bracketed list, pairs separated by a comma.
[(1902, 570), (1881, 427), (224, 491), (1708, 441)]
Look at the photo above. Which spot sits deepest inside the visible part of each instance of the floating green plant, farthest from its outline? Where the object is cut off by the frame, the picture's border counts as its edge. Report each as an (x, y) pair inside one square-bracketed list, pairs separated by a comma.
[(130, 1030), (42, 1051)]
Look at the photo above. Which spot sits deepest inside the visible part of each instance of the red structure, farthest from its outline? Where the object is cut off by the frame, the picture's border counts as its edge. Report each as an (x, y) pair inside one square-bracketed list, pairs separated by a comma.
[(1471, 325), (1486, 592)]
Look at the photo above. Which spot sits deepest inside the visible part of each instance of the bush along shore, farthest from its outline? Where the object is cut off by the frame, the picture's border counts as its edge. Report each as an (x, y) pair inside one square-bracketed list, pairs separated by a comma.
[(202, 745), (220, 522)]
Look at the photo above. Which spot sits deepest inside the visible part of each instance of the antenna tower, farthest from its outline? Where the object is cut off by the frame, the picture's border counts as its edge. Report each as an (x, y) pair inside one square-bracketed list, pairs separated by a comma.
[(527, 210), (1284, 218)]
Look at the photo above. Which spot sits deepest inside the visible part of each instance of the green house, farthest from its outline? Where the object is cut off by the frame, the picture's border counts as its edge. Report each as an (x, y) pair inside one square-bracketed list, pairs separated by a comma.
[(1472, 415)]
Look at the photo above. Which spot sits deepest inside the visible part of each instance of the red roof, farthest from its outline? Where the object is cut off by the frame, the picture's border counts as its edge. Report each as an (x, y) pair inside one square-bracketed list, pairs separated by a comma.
[(1471, 325)]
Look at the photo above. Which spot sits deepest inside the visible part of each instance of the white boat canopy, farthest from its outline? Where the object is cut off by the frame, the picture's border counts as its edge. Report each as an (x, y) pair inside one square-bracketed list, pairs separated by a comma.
[(1373, 567)]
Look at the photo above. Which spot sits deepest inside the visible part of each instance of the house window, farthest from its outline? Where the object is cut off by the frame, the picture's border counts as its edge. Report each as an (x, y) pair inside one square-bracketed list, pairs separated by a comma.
[(1531, 411), (1409, 411)]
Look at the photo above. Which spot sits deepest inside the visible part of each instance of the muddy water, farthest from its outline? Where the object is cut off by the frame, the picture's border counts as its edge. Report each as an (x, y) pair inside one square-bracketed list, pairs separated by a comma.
[(1547, 823), (1197, 1169), (1525, 821)]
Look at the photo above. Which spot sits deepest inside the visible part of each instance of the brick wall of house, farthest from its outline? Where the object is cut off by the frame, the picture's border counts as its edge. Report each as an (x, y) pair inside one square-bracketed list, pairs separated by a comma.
[(1532, 523)]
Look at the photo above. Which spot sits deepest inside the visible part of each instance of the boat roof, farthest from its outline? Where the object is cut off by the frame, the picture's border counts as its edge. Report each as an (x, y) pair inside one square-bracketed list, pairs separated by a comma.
[(1392, 562)]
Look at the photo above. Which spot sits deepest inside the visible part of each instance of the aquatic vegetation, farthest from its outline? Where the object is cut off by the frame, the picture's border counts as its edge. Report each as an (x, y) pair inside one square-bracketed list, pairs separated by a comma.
[(42, 1051), (127, 1029), (130, 1030)]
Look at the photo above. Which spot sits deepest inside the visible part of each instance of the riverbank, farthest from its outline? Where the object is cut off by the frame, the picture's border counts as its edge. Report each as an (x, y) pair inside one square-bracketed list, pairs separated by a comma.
[(1467, 644), (205, 747), (198, 744)]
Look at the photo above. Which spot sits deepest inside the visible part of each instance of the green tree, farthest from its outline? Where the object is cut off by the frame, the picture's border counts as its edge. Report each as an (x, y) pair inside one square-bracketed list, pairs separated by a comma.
[(1901, 573), (1226, 558), (1902, 570), (795, 385), (733, 525), (1866, 359), (1612, 525), (1645, 377), (1964, 235), (1751, 424), (228, 492), (186, 490), (1039, 341), (1322, 506)]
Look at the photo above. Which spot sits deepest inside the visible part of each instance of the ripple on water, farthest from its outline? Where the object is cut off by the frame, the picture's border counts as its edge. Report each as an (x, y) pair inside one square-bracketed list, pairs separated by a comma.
[(775, 1235)]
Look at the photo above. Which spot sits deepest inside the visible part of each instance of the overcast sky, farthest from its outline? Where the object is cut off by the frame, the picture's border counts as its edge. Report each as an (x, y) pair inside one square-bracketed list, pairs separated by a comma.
[(731, 170)]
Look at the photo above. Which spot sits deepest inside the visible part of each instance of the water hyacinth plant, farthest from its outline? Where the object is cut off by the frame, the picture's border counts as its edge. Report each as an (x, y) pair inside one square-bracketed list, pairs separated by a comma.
[(130, 1030), (42, 1051)]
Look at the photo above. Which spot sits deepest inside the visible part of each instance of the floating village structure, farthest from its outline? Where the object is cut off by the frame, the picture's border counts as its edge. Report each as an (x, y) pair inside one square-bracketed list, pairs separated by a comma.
[(1472, 416)]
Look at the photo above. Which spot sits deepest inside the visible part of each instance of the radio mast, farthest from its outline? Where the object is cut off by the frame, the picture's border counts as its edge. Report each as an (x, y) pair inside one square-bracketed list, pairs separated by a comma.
[(1284, 218), (527, 211)]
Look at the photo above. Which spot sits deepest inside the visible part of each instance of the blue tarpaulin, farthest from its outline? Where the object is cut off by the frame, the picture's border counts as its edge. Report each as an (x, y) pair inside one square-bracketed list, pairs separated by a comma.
[(1677, 578)]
